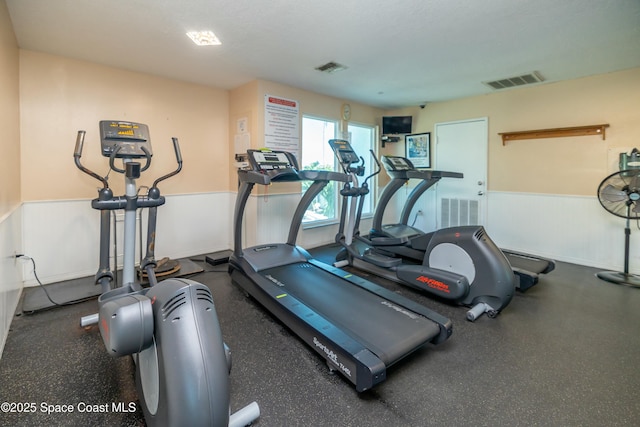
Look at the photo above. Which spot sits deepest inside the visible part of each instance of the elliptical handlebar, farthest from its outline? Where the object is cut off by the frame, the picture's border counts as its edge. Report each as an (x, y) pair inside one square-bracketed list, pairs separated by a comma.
[(176, 149), (373, 154), (357, 170), (79, 143), (77, 153)]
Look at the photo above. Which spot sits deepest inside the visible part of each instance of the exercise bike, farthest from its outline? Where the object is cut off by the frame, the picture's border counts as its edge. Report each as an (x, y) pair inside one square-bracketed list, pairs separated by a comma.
[(170, 328), (461, 265)]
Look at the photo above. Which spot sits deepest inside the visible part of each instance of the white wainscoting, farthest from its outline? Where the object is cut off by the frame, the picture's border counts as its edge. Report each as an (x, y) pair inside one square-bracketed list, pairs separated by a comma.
[(10, 270), (63, 236), (573, 229), (272, 214), (273, 219)]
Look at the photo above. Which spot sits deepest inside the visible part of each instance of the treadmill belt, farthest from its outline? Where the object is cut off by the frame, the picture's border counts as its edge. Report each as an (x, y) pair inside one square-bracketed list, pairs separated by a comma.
[(532, 264), (390, 331)]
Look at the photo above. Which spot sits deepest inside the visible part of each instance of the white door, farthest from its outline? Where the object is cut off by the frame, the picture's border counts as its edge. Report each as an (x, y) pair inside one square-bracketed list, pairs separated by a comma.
[(462, 147)]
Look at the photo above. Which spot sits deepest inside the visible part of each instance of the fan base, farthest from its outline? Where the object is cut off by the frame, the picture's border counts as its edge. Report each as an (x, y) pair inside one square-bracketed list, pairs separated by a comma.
[(620, 278)]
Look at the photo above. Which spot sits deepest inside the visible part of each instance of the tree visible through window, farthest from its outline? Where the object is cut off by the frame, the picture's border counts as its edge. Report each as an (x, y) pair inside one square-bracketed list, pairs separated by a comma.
[(318, 155)]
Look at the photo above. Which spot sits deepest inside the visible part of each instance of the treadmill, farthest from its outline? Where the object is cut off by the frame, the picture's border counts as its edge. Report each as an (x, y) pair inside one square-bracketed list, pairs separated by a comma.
[(527, 268), (358, 327)]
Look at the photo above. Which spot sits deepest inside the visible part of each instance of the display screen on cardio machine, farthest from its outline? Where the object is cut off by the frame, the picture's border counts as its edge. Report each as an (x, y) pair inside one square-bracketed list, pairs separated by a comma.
[(344, 151), (395, 163), (269, 160), (129, 136)]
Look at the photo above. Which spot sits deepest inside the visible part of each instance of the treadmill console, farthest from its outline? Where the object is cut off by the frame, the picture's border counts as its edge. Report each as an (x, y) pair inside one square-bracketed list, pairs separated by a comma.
[(397, 163), (130, 139), (280, 164), (344, 151)]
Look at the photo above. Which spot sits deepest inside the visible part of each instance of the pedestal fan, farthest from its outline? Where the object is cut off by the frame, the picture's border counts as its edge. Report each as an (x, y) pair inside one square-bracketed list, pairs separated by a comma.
[(619, 194)]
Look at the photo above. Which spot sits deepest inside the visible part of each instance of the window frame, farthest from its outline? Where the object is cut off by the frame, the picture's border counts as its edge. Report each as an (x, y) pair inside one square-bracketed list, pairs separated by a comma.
[(338, 199), (373, 182)]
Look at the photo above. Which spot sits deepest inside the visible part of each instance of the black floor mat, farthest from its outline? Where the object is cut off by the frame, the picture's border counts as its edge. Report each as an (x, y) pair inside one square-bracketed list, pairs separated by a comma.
[(71, 291)]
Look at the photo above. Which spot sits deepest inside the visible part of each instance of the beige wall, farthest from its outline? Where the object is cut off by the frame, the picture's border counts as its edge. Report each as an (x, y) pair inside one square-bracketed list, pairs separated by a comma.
[(248, 101), (264, 221), (9, 116), (59, 96), (316, 104), (243, 104), (572, 165)]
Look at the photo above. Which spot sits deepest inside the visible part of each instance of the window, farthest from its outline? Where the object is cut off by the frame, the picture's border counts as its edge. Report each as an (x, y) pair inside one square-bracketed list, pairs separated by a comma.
[(362, 140), (317, 154)]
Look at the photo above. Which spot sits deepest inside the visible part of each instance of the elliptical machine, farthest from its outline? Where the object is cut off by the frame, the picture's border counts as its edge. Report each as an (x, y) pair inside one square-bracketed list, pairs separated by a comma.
[(170, 328), (406, 241), (460, 264)]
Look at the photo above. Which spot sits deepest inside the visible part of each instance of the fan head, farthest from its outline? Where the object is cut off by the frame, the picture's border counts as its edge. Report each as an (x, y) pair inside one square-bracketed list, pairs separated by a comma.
[(619, 194)]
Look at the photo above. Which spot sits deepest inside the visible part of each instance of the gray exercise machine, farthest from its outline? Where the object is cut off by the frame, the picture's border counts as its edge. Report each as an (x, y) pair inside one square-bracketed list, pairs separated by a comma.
[(359, 328), (170, 328), (527, 268), (461, 265)]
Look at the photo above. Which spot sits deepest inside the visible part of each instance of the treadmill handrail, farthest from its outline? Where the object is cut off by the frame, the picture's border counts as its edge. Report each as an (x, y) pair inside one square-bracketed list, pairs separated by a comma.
[(256, 177), (430, 174), (320, 180), (248, 178), (253, 177), (323, 175), (421, 188), (398, 179), (414, 196)]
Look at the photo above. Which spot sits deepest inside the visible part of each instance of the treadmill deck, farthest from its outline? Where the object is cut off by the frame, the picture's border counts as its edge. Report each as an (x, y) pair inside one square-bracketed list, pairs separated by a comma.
[(389, 330)]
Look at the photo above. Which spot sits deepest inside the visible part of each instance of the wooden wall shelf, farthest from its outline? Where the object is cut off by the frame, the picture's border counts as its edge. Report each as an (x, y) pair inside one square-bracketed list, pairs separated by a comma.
[(554, 133)]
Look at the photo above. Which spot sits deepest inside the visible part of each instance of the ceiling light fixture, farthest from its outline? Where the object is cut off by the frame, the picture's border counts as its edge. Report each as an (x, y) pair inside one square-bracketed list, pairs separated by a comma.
[(331, 67), (204, 38)]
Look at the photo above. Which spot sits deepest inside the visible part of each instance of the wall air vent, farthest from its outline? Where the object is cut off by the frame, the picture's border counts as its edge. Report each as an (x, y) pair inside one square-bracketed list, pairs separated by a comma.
[(331, 67), (509, 82)]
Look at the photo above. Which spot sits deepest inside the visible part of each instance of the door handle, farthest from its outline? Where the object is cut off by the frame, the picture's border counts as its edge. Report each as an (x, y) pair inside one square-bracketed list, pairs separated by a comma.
[(481, 193)]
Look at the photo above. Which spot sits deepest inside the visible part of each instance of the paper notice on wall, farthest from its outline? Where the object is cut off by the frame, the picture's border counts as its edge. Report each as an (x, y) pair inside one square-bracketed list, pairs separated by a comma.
[(242, 125), (241, 143), (282, 124)]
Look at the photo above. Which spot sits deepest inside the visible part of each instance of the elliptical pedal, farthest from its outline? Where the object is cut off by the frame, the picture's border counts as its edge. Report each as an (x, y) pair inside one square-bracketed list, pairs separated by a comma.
[(380, 260)]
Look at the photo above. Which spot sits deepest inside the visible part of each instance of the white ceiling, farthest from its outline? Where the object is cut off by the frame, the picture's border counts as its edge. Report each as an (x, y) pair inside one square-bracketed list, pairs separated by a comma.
[(398, 53)]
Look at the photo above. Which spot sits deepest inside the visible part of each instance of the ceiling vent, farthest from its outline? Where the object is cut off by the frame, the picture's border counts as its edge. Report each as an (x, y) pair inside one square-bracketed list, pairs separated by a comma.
[(508, 82), (331, 67)]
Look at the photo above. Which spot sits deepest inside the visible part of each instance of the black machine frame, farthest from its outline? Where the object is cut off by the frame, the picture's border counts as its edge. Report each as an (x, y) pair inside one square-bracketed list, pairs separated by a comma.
[(461, 265), (526, 267), (343, 350)]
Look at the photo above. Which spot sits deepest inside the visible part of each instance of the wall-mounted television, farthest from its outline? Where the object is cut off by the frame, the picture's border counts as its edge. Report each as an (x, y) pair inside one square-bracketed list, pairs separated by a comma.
[(393, 125)]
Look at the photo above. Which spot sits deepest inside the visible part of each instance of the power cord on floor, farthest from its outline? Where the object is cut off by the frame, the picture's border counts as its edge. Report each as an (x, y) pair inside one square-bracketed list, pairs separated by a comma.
[(33, 262)]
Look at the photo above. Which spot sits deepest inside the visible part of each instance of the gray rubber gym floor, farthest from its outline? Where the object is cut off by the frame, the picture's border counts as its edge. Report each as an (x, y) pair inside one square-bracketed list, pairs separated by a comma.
[(565, 353)]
